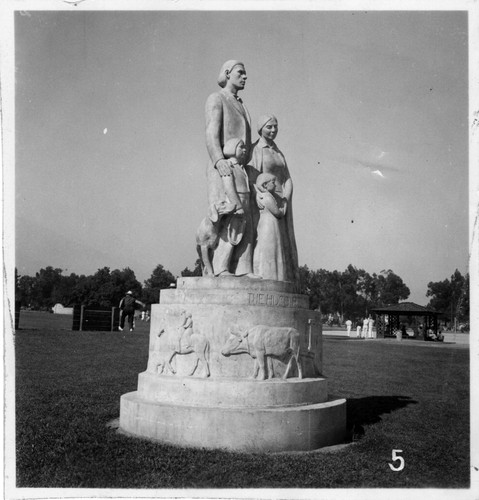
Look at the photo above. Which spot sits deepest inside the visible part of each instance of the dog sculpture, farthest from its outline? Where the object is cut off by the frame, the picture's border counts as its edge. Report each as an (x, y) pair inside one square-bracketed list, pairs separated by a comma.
[(207, 234)]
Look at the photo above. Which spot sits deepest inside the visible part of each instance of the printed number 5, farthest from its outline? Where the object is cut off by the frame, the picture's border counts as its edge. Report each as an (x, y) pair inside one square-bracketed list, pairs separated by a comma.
[(395, 457)]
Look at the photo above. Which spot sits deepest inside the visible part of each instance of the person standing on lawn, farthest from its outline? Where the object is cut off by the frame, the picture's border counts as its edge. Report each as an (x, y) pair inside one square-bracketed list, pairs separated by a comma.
[(370, 327), (128, 304), (359, 327), (364, 334), (349, 324)]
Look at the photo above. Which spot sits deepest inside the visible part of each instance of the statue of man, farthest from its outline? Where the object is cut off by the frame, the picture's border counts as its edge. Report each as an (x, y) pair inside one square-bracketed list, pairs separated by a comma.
[(227, 118)]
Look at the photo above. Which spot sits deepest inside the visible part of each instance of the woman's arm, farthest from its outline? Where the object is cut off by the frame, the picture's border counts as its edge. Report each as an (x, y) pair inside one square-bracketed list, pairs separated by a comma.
[(288, 183)]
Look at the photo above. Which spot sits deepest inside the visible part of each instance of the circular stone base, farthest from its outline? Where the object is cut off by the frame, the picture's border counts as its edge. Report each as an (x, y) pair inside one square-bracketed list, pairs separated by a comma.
[(239, 325), (232, 393), (294, 428)]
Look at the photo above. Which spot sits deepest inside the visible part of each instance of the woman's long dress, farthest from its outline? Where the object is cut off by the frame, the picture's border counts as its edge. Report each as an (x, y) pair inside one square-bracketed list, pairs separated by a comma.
[(269, 258)]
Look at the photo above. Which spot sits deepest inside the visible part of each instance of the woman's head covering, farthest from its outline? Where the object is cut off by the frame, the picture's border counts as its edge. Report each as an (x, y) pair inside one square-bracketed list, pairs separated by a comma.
[(263, 120), (227, 66), (229, 148), (263, 179)]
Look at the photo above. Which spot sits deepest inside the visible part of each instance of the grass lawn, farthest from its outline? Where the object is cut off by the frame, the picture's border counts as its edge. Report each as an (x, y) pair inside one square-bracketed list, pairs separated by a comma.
[(401, 396)]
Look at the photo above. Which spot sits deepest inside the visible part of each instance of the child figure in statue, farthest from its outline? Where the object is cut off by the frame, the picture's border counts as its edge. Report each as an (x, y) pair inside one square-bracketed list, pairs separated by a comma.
[(269, 258), (233, 255), (235, 152)]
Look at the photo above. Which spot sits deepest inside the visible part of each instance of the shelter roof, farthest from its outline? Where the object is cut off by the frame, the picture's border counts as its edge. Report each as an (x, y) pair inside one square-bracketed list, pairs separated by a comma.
[(404, 308)]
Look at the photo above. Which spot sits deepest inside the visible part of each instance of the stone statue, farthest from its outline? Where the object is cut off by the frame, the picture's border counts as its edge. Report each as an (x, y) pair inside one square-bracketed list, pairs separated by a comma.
[(262, 342), (267, 158), (236, 229), (207, 234), (236, 185), (194, 332), (270, 261), (190, 342), (185, 330), (157, 362), (227, 118)]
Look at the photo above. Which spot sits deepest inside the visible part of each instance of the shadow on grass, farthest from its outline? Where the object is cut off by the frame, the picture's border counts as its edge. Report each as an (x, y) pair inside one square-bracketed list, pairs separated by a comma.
[(368, 410)]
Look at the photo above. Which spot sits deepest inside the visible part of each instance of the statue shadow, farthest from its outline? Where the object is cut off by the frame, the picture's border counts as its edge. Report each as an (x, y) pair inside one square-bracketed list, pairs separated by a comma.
[(368, 411)]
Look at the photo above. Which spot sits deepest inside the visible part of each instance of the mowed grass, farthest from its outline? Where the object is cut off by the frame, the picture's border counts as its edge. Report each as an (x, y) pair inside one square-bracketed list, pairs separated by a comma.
[(401, 396)]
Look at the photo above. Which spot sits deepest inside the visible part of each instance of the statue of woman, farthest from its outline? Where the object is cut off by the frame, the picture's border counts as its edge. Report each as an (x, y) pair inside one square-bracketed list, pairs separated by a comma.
[(267, 158), (227, 118)]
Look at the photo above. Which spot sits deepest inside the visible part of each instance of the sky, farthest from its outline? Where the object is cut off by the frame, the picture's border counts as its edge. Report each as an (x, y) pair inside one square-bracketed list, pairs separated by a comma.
[(373, 121)]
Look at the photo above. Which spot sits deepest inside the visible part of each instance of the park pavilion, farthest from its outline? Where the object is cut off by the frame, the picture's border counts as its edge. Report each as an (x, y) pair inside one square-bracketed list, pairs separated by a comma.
[(389, 318)]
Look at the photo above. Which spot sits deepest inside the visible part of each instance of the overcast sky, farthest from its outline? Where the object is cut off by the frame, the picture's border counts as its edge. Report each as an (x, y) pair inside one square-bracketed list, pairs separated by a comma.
[(111, 157)]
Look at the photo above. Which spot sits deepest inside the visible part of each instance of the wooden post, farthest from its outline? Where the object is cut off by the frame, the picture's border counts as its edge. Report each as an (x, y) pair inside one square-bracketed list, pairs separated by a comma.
[(81, 317), (113, 318), (310, 323)]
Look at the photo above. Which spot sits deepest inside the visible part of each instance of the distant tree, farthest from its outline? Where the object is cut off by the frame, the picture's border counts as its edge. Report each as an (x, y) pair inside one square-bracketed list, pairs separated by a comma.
[(353, 295), (102, 289), (82, 290), (47, 288), (350, 293), (304, 280), (196, 271), (463, 305), (369, 287), (332, 294), (46, 282), (160, 279), (105, 288), (63, 290), (323, 288), (388, 288), (123, 281), (25, 290), (314, 284), (451, 296)]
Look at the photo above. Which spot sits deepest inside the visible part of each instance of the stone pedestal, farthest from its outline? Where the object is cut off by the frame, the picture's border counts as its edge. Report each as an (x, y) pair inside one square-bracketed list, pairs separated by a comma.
[(199, 391)]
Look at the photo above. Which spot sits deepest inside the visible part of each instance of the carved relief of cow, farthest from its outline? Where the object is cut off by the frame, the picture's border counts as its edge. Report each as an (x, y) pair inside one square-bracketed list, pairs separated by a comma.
[(262, 342)]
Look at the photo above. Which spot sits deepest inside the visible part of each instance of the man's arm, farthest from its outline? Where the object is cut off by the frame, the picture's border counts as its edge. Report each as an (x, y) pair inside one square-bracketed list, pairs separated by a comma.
[(214, 122)]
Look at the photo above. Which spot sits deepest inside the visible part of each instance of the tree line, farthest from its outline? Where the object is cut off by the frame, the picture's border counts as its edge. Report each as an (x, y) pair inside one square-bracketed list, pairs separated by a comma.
[(351, 293), (105, 288)]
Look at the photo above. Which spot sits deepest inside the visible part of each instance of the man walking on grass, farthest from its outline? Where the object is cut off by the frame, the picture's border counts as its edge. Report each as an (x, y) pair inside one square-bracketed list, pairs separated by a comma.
[(127, 307)]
